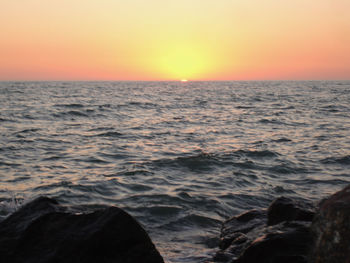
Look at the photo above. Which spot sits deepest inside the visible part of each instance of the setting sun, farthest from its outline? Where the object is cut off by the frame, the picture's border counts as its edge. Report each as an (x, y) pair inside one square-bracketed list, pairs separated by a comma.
[(183, 61)]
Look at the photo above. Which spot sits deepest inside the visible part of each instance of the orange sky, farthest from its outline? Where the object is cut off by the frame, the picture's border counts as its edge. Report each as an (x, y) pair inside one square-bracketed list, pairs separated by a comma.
[(172, 40)]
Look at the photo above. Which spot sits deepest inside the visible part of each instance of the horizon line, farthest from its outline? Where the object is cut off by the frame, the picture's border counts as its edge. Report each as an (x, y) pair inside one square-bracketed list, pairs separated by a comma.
[(189, 80)]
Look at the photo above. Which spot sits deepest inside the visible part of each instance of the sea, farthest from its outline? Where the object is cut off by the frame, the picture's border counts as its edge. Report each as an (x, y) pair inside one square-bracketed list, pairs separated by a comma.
[(181, 157)]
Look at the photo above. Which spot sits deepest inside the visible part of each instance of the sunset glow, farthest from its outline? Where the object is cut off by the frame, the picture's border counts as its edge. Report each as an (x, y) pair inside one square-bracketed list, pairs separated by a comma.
[(172, 40)]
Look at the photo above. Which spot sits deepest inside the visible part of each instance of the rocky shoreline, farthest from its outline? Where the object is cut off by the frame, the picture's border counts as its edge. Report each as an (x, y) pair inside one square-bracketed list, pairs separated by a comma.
[(288, 231)]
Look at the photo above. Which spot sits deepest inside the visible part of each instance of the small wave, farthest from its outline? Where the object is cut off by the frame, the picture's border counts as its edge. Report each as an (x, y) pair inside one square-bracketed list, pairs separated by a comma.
[(114, 156), (286, 169), (257, 154), (164, 211), (108, 134), (93, 160), (283, 139), (77, 113), (345, 160), (325, 181), (8, 148), (70, 113), (54, 185), (154, 199), (246, 165), (71, 105), (281, 190), (131, 173), (29, 117), (9, 164), (192, 220), (28, 130), (272, 121), (5, 120), (244, 107), (207, 162), (143, 105), (101, 129), (202, 161), (139, 187), (52, 158), (7, 207)]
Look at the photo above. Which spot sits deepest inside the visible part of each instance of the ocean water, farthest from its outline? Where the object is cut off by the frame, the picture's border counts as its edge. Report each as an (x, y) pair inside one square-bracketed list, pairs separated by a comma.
[(180, 157)]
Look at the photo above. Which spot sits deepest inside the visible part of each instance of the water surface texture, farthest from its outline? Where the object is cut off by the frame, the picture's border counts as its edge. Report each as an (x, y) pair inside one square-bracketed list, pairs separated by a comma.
[(180, 157)]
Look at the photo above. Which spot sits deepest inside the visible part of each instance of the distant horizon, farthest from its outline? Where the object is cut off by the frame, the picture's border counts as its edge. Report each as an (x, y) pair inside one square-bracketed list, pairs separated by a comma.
[(188, 81)]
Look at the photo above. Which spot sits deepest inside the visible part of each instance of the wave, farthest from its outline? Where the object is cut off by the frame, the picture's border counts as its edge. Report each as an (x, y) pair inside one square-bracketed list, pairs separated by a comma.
[(93, 160), (202, 161), (257, 154), (53, 158), (283, 139), (206, 161), (70, 105), (9, 164), (245, 107), (101, 129), (192, 220), (130, 173), (345, 160), (73, 113), (108, 134), (28, 130), (143, 105), (6, 120), (271, 121)]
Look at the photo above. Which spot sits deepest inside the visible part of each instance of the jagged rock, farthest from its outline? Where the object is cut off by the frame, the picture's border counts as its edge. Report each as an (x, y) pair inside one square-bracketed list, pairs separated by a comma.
[(286, 209), (43, 232), (244, 222), (285, 242), (331, 228), (233, 238), (280, 234)]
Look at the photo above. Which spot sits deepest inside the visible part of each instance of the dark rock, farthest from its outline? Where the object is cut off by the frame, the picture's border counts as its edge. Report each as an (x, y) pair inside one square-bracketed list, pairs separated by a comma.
[(42, 231), (331, 228), (221, 256), (249, 238), (285, 242), (243, 223), (286, 209), (233, 238)]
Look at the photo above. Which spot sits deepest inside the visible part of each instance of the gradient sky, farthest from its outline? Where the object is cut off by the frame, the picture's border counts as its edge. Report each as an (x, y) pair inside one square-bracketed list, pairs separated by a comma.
[(172, 40)]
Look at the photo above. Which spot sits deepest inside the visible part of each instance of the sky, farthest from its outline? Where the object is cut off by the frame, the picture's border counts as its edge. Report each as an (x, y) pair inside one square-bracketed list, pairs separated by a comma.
[(174, 39)]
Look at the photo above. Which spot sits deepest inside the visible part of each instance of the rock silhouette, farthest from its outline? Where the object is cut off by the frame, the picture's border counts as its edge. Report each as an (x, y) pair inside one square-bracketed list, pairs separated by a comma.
[(289, 231), (42, 231)]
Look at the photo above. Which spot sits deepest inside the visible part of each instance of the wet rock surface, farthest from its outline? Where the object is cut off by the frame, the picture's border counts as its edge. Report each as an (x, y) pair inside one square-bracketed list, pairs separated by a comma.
[(279, 234), (42, 231), (286, 209), (289, 231), (331, 229)]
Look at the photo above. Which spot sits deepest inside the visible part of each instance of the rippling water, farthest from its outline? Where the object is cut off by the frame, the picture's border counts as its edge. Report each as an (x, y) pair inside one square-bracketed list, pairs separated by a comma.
[(180, 157)]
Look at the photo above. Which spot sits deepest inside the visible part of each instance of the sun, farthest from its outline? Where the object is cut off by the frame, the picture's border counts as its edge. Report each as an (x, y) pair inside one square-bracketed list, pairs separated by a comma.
[(181, 62)]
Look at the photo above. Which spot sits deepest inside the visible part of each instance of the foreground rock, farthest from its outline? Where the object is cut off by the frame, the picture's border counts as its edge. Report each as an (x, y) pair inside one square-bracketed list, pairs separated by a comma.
[(280, 234), (42, 231), (290, 231), (331, 228)]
